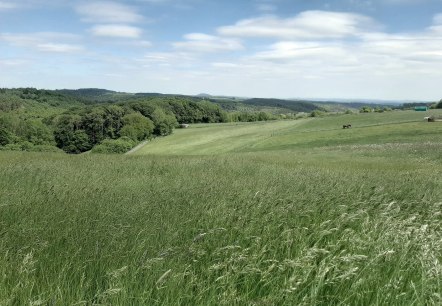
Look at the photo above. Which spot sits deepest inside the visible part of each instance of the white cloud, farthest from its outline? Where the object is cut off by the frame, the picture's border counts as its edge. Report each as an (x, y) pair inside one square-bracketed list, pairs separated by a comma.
[(289, 50), (108, 12), (12, 62), (225, 65), (116, 30), (437, 19), (306, 25), (200, 43), (266, 7), (7, 6), (167, 59), (59, 48), (45, 41)]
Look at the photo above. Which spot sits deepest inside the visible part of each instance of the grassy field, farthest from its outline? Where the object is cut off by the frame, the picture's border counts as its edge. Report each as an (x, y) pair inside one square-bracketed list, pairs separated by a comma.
[(207, 139), (277, 213)]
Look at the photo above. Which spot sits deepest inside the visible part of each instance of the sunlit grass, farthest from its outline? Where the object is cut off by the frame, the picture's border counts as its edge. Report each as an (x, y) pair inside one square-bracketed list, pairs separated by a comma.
[(334, 222), (397, 126)]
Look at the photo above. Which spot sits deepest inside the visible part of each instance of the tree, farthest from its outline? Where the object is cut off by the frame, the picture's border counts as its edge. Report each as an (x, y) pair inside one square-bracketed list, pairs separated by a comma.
[(113, 120), (164, 123), (93, 123), (79, 142), (137, 127), (365, 109), (68, 135), (6, 136)]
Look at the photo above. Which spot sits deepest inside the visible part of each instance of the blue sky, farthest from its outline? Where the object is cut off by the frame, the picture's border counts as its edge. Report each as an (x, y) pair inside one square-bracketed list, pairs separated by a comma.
[(373, 49)]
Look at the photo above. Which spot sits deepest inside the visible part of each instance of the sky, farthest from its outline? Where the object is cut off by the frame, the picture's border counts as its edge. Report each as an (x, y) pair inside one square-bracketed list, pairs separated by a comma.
[(328, 49)]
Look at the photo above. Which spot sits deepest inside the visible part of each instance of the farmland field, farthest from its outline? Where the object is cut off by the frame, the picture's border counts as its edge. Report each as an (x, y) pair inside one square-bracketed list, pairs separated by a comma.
[(296, 212)]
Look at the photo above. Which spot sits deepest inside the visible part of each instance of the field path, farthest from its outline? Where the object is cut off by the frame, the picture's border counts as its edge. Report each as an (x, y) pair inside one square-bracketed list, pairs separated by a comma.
[(136, 148)]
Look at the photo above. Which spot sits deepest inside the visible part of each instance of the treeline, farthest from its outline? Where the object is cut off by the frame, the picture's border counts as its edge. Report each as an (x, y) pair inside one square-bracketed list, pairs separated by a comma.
[(117, 127), (432, 105), (295, 106), (44, 120), (25, 134), (14, 99)]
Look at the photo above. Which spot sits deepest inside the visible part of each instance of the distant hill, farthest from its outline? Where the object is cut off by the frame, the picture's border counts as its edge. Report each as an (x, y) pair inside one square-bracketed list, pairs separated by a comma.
[(69, 97), (332, 106), (148, 94), (295, 106), (41, 102), (204, 95), (96, 95), (86, 92)]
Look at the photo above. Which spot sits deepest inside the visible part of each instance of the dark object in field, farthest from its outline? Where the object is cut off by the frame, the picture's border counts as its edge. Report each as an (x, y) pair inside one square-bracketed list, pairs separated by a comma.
[(421, 108), (431, 119), (184, 126), (346, 126)]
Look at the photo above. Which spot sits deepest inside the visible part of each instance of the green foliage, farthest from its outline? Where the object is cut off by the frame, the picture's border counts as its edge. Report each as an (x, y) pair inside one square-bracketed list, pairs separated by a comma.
[(250, 116), (439, 105), (137, 127), (28, 146), (185, 110), (13, 129), (64, 128), (114, 146), (378, 109), (96, 124), (34, 101), (6, 136), (296, 106), (80, 142), (365, 109), (317, 113), (413, 105), (164, 123)]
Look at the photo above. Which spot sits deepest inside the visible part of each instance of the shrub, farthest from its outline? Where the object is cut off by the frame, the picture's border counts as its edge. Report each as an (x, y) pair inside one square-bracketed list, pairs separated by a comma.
[(114, 146), (317, 113), (365, 109), (27, 146)]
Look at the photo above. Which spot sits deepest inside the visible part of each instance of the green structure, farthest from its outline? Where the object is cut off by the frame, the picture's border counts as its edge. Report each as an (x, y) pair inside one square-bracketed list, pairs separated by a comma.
[(421, 108)]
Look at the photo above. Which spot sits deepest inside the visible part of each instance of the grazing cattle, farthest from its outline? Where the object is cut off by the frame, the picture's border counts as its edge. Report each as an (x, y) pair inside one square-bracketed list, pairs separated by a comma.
[(346, 126)]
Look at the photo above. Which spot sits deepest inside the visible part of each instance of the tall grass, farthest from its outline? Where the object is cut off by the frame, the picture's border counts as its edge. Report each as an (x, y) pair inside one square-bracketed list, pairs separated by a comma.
[(321, 226)]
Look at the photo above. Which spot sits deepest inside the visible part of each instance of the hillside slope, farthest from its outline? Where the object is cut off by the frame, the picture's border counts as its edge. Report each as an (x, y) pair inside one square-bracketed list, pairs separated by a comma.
[(400, 126)]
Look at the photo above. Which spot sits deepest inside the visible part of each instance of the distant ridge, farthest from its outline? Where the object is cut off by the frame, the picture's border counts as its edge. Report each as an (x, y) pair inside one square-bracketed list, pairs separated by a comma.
[(232, 103), (86, 92), (296, 106)]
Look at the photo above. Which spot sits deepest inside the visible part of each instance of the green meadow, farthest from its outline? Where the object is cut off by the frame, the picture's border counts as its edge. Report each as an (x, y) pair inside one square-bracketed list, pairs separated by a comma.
[(296, 212)]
